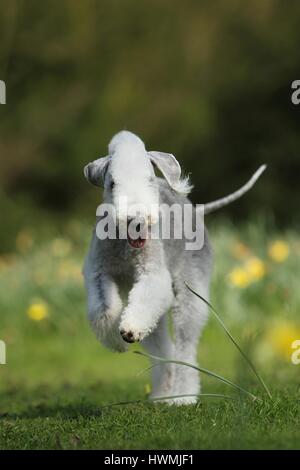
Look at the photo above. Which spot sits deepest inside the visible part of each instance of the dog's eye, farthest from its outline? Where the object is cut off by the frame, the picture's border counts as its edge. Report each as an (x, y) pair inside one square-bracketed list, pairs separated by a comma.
[(112, 184)]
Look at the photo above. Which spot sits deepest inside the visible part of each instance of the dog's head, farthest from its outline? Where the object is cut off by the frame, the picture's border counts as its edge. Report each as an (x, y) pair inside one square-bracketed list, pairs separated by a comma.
[(129, 181)]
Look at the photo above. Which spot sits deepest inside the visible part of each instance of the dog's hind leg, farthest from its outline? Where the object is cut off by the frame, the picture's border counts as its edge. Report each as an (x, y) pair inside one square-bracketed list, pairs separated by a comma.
[(189, 318), (159, 343)]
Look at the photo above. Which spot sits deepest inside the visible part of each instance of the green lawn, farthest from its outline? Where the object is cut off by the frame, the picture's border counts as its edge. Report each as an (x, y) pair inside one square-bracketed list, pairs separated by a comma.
[(58, 380)]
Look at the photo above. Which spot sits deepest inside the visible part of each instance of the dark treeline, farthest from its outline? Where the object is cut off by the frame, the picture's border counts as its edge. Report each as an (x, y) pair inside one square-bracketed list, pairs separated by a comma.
[(207, 81)]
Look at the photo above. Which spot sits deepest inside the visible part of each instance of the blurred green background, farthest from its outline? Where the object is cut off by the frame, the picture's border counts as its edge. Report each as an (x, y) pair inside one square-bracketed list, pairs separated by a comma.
[(209, 82)]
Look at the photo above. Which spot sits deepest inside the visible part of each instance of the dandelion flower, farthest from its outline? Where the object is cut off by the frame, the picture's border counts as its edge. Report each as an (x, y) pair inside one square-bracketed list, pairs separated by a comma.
[(256, 268), (281, 337), (37, 311), (239, 277), (279, 251)]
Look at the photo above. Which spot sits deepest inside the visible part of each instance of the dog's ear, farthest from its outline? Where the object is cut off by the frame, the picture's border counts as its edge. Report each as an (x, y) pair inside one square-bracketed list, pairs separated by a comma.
[(170, 168), (95, 171)]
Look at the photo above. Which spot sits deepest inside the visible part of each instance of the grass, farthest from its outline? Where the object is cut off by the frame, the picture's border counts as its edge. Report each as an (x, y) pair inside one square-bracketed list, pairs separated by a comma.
[(58, 380), (71, 417), (250, 364)]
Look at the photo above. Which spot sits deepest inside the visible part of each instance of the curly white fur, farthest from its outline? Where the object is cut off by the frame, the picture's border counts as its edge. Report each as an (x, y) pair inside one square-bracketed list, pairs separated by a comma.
[(152, 277)]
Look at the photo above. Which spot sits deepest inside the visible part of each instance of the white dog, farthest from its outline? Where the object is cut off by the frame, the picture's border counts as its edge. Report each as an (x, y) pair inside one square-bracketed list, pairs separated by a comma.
[(132, 283)]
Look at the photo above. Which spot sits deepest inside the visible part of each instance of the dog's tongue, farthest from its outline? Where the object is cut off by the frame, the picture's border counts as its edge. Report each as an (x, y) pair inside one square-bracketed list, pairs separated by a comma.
[(137, 234), (138, 243)]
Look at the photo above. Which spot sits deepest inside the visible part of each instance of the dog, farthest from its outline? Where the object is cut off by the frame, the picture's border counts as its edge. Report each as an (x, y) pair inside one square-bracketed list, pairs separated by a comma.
[(133, 282)]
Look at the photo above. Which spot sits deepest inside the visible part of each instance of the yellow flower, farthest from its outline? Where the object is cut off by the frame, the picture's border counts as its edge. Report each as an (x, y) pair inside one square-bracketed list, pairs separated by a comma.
[(239, 277), (61, 247), (37, 311), (240, 250), (281, 337), (252, 270), (279, 251), (255, 268), (24, 240)]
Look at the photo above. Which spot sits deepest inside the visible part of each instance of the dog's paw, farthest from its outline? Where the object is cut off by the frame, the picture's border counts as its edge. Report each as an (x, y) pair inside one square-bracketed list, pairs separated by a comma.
[(131, 336), (182, 401), (132, 333)]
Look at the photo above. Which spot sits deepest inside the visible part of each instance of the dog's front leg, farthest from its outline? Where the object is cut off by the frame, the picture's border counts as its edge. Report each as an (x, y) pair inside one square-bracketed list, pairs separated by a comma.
[(104, 310), (104, 302), (150, 297)]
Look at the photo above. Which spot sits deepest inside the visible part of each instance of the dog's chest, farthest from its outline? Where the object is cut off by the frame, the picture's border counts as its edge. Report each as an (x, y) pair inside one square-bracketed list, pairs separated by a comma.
[(120, 260)]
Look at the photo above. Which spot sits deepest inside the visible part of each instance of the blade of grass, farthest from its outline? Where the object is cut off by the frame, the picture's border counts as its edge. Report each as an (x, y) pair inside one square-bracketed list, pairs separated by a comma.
[(200, 369), (133, 402), (251, 365)]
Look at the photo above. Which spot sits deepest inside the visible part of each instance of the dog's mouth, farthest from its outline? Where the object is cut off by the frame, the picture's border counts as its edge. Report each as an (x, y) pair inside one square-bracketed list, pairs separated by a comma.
[(138, 243), (140, 236)]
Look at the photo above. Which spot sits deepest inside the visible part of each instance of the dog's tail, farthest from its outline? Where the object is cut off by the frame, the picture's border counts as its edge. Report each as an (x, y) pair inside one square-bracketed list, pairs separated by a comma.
[(224, 201)]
